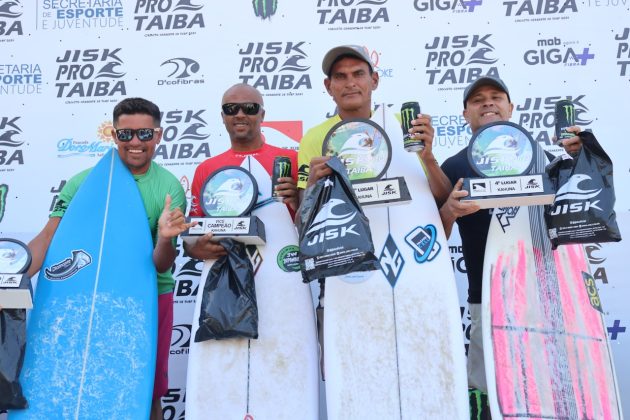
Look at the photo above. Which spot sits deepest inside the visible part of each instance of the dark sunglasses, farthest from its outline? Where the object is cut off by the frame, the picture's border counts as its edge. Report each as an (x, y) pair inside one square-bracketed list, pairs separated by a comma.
[(249, 108), (144, 134)]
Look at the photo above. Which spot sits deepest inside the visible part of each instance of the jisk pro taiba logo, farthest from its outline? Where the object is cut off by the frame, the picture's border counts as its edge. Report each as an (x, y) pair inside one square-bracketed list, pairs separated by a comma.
[(10, 11), (275, 66), (10, 152), (349, 13), (184, 136), (536, 115), (460, 59), (162, 15), (90, 73), (527, 8)]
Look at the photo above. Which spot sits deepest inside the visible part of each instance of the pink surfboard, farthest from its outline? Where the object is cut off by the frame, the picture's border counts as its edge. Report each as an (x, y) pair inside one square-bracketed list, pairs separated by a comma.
[(546, 348)]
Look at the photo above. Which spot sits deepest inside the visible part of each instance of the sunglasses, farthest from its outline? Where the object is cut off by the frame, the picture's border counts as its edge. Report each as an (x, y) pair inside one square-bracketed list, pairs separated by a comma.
[(249, 108), (144, 134)]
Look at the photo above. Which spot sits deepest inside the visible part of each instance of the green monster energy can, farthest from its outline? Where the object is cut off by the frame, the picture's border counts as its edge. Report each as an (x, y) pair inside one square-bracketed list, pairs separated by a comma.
[(281, 169), (409, 112), (565, 118)]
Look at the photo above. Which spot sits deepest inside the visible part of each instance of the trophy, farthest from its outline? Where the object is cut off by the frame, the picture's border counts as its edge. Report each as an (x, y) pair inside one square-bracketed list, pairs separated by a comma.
[(365, 150), (227, 197), (503, 155), (15, 284)]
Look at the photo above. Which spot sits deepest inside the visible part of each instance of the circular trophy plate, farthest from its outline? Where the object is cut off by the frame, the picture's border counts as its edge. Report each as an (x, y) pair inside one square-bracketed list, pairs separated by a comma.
[(15, 257), (501, 149), (229, 191), (362, 146)]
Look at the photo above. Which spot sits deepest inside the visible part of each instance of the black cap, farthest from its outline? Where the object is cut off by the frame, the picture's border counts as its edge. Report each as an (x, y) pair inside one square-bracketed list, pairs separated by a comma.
[(485, 81), (356, 51)]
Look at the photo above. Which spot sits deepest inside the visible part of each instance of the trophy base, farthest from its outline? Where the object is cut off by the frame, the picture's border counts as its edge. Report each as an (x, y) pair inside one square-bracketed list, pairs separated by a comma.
[(249, 230), (385, 192), (509, 191), (15, 291)]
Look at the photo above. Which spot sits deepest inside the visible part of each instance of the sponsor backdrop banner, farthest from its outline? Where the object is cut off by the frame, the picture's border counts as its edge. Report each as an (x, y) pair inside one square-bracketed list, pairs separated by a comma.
[(64, 64)]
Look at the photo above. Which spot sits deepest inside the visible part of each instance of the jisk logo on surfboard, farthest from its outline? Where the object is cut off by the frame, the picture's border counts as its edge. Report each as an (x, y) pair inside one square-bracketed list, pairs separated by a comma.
[(69, 266)]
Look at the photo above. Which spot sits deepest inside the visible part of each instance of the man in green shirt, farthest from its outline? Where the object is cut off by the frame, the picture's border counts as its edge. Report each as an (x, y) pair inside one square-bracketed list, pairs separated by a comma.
[(137, 132)]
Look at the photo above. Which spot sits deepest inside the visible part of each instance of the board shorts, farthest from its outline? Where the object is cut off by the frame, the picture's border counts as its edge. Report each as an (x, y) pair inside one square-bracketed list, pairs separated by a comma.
[(165, 329), (475, 365)]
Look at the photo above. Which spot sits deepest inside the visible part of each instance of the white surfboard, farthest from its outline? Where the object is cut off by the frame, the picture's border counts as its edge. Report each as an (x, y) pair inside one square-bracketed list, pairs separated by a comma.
[(546, 348), (275, 376), (393, 343)]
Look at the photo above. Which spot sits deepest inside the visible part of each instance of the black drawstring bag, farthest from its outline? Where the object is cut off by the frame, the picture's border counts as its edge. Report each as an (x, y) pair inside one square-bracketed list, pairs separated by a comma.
[(335, 236), (228, 306), (12, 346), (583, 209)]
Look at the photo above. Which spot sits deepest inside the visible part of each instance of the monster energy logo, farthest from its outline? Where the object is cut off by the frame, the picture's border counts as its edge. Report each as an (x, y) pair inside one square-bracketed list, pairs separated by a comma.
[(265, 8), (406, 115), (4, 189), (569, 113), (283, 168)]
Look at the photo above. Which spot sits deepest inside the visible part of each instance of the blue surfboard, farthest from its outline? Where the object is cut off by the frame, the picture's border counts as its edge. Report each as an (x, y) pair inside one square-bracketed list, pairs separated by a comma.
[(91, 337)]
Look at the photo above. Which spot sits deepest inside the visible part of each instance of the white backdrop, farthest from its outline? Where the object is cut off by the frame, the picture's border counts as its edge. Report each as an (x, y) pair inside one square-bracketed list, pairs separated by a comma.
[(65, 63)]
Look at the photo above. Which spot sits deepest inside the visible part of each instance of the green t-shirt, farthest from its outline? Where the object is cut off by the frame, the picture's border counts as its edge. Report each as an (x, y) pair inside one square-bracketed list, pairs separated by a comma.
[(311, 146), (154, 185)]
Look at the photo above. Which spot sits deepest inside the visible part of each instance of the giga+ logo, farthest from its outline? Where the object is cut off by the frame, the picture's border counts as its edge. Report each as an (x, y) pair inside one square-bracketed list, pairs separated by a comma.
[(460, 59), (163, 15), (554, 51), (455, 6), (90, 73)]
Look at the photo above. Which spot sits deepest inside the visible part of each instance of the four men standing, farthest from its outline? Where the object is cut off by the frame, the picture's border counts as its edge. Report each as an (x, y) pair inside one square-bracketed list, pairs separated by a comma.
[(350, 81)]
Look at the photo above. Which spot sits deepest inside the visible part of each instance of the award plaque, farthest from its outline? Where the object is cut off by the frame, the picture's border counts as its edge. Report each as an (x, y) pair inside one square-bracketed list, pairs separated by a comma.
[(15, 284), (227, 197), (365, 150), (503, 155)]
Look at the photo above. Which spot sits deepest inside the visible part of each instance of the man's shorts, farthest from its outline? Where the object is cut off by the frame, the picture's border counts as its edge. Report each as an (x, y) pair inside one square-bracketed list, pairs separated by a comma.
[(475, 366), (165, 329)]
